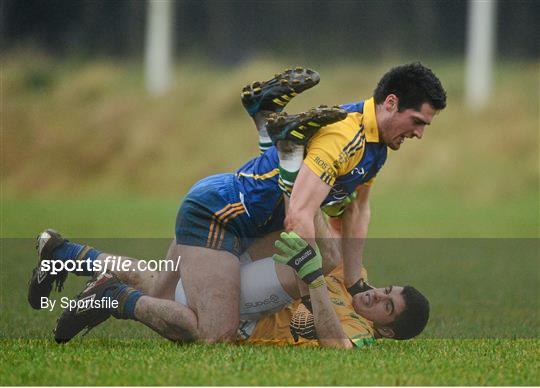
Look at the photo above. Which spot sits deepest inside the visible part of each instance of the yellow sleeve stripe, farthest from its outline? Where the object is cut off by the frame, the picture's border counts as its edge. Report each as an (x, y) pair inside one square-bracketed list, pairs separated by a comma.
[(326, 178), (278, 101), (358, 146), (270, 174), (323, 175), (355, 140)]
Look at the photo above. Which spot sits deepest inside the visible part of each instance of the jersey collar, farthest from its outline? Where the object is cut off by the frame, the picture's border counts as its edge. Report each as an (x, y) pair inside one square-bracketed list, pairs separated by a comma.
[(370, 122)]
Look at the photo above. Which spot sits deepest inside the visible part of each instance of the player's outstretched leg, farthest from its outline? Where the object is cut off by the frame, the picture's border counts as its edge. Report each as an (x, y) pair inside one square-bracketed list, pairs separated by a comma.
[(261, 98), (107, 295), (171, 319)]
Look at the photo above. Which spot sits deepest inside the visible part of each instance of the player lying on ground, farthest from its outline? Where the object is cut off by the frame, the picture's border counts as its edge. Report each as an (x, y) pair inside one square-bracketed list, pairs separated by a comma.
[(223, 214), (394, 312)]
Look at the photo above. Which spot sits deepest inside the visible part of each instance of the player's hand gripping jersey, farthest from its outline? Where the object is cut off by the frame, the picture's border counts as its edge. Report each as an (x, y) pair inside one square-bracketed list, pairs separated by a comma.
[(344, 155)]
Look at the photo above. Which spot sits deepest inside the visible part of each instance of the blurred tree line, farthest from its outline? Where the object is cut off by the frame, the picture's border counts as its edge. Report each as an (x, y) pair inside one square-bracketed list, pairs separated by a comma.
[(229, 31)]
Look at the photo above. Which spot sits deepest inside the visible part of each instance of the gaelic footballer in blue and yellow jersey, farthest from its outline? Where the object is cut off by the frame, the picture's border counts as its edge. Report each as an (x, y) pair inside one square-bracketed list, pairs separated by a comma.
[(344, 155), (227, 211)]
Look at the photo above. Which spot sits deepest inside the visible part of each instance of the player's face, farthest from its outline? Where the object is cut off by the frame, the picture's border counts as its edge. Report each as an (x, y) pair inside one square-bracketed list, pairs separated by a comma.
[(380, 305), (407, 124)]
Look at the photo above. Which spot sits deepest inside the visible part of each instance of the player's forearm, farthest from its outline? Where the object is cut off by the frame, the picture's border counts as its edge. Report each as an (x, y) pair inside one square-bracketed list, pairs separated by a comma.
[(355, 227), (329, 244), (305, 201), (301, 221), (307, 263), (329, 330), (302, 287)]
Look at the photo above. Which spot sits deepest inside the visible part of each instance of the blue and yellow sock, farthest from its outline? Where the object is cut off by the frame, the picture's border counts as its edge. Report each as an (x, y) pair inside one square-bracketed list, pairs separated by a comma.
[(77, 252), (127, 298)]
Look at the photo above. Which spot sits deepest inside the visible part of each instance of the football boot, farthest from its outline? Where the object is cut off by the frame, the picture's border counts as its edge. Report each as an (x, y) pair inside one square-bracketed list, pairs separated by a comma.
[(299, 128), (41, 282), (273, 95), (85, 315)]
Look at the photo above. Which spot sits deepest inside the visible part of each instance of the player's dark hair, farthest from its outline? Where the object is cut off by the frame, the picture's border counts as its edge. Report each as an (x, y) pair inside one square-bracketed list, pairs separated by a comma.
[(414, 318), (413, 84)]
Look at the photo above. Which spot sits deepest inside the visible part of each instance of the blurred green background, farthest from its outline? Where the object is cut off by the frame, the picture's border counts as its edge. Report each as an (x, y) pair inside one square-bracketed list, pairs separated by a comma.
[(87, 150)]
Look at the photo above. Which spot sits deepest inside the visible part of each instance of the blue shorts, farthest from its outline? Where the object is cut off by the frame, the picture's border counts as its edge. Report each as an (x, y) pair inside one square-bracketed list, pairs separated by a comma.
[(213, 216)]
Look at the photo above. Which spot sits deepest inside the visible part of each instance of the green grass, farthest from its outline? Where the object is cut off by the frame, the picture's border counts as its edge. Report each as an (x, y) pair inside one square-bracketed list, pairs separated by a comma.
[(157, 362), (474, 174), (429, 212), (483, 329)]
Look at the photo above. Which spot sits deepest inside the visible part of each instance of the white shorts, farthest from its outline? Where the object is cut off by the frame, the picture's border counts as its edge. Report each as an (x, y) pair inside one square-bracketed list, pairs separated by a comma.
[(261, 292)]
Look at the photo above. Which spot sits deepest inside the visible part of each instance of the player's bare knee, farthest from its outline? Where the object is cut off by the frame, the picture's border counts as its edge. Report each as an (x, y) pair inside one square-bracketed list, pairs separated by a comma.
[(230, 331), (223, 336), (180, 335), (226, 331)]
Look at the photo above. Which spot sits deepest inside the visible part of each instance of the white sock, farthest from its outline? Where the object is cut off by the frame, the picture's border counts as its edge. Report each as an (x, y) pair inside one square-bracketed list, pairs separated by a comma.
[(264, 140), (290, 161)]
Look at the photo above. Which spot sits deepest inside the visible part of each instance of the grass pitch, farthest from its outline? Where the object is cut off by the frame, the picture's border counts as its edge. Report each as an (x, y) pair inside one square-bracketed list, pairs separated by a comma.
[(157, 362), (483, 328)]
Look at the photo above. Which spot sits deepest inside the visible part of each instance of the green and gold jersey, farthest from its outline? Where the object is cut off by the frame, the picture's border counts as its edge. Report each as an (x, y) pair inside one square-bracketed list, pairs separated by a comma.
[(274, 329)]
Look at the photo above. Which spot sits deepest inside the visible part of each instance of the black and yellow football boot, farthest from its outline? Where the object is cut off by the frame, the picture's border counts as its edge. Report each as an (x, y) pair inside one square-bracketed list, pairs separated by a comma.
[(301, 127), (273, 95)]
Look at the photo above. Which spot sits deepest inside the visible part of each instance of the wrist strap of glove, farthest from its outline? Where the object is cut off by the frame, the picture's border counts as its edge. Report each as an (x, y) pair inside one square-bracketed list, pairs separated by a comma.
[(302, 258), (358, 287), (318, 282)]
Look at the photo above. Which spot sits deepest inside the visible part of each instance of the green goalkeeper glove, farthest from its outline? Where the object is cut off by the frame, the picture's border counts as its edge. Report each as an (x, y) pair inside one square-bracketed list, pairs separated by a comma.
[(302, 257)]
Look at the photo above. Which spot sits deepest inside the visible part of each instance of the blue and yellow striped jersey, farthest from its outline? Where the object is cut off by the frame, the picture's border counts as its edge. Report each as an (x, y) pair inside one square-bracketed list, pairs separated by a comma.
[(257, 182), (348, 153), (344, 155)]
